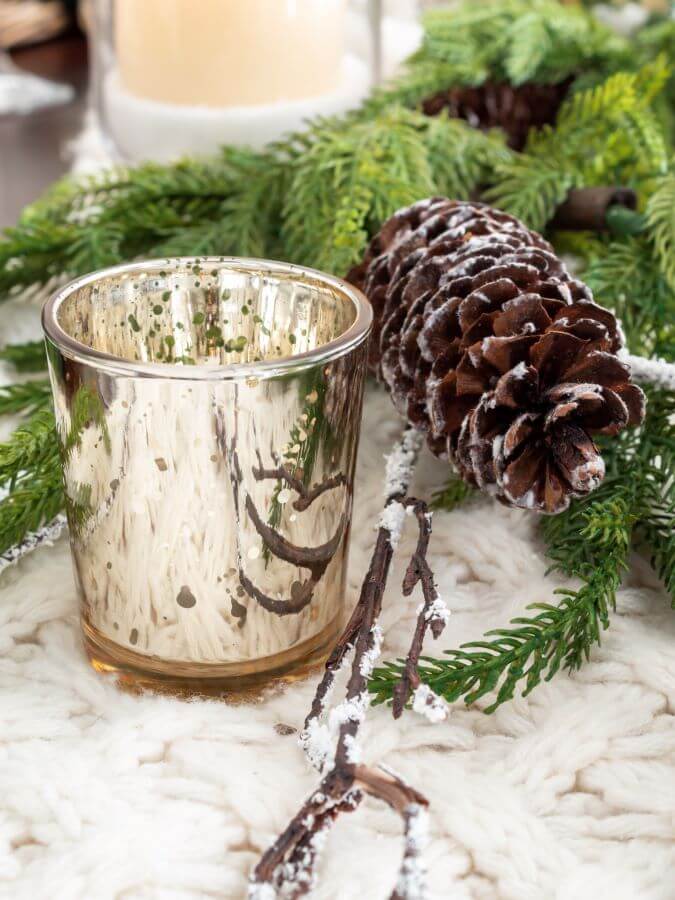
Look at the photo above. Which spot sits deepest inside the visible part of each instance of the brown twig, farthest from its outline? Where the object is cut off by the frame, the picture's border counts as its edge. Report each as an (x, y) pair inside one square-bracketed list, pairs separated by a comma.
[(290, 863), (432, 615)]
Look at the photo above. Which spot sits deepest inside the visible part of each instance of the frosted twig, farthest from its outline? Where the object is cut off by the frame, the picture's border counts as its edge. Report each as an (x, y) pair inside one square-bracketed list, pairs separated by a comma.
[(49, 533), (411, 884), (432, 614), (658, 372), (289, 865)]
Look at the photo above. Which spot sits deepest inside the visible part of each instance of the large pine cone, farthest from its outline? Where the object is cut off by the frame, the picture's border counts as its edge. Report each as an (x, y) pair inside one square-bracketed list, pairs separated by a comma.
[(490, 346)]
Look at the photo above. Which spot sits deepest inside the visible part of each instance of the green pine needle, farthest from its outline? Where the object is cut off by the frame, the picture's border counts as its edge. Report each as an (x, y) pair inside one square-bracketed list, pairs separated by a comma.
[(661, 220), (625, 277), (455, 492), (606, 134), (28, 357), (221, 206), (347, 181), (25, 398), (348, 177), (30, 469)]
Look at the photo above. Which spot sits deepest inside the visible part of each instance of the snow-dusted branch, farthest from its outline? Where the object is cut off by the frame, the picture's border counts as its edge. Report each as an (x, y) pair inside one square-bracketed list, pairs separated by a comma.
[(432, 615), (289, 865), (49, 533), (650, 371)]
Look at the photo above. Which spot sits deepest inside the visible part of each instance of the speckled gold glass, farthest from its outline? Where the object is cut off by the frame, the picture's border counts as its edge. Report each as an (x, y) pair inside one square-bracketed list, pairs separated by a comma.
[(208, 416)]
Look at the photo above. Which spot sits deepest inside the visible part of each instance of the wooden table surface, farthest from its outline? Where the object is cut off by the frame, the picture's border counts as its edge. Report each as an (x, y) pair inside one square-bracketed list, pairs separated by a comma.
[(33, 147)]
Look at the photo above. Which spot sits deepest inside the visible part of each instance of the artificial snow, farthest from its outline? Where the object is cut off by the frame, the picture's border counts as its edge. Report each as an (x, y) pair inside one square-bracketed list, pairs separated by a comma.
[(429, 704), (46, 535), (261, 892), (412, 880), (657, 371), (370, 657), (399, 463), (437, 611), (392, 518)]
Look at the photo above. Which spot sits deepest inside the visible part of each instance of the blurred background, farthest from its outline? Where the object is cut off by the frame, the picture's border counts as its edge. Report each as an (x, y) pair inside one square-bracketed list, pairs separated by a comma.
[(59, 58)]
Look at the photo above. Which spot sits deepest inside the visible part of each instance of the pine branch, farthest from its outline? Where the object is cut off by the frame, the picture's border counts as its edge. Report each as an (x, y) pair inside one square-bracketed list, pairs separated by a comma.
[(31, 447), (607, 134), (348, 181), (661, 220), (27, 397), (229, 201), (30, 468), (532, 190), (349, 175), (461, 158), (28, 357), (624, 277)]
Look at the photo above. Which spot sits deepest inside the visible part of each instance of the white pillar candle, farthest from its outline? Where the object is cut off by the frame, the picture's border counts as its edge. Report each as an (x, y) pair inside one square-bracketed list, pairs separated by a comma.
[(218, 53), (146, 129)]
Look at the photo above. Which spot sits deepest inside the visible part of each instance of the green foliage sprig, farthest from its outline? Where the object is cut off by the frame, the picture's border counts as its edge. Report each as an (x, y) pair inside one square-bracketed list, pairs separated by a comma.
[(506, 40), (30, 471), (28, 357), (345, 181), (25, 398), (225, 205), (607, 134), (661, 220)]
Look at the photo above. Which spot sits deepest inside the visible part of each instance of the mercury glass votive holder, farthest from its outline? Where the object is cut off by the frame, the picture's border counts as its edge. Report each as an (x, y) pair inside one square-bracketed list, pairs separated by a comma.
[(208, 415)]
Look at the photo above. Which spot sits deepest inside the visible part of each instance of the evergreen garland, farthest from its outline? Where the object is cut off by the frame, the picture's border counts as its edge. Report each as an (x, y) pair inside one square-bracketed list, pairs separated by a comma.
[(515, 41), (318, 196), (607, 134)]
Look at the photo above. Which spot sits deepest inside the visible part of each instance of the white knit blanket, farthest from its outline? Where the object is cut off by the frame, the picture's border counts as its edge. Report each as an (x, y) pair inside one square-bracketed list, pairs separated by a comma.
[(566, 794)]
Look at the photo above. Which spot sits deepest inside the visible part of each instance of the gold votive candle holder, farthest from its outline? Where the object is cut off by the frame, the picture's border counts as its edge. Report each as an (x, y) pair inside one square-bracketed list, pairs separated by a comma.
[(208, 414)]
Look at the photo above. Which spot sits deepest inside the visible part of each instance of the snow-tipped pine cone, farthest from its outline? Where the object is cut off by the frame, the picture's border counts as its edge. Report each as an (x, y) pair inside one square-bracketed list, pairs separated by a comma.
[(489, 345)]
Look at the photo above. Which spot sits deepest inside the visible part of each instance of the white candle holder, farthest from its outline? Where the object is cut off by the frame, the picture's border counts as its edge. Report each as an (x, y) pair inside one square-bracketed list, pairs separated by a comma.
[(174, 77)]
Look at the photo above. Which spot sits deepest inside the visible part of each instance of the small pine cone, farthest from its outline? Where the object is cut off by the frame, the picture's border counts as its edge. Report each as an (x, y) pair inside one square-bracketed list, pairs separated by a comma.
[(488, 345), (515, 109)]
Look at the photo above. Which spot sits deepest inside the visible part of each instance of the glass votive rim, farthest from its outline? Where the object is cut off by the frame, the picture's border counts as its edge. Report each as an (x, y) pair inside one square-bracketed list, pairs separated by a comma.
[(338, 346)]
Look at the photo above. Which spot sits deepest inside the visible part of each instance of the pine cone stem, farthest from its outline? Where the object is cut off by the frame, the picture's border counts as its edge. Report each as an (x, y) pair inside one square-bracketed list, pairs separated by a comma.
[(585, 209)]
